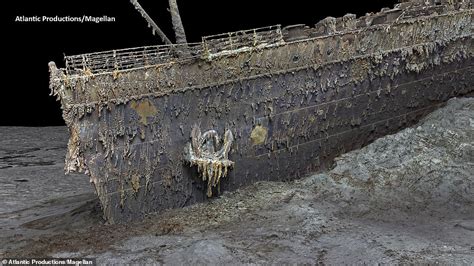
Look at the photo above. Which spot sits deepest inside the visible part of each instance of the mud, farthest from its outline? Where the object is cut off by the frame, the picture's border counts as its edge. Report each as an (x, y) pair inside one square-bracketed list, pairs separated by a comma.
[(405, 198)]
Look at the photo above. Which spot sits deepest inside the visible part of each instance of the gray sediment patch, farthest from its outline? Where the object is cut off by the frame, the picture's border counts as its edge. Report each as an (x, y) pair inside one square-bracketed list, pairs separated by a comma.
[(405, 198)]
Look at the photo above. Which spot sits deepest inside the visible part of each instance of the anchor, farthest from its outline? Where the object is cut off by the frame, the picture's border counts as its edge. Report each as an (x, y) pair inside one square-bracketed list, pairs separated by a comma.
[(209, 155)]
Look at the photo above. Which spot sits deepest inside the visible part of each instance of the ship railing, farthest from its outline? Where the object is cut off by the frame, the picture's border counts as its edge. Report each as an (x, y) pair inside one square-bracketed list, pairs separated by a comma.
[(124, 59), (130, 58), (232, 41)]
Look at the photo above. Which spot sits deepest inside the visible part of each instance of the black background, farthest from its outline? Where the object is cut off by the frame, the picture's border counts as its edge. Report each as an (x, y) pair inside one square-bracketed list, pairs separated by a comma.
[(25, 99)]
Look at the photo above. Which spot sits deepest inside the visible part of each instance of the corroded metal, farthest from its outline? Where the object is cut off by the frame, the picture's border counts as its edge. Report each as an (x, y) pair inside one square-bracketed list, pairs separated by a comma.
[(294, 98), (210, 156)]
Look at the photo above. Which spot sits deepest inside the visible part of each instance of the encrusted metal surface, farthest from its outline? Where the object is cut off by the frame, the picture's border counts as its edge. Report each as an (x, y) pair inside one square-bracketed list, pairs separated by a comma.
[(292, 103), (124, 59), (210, 156)]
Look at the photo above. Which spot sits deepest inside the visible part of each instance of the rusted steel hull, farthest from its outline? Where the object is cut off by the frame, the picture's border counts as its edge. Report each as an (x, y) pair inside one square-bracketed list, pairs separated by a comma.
[(291, 108)]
